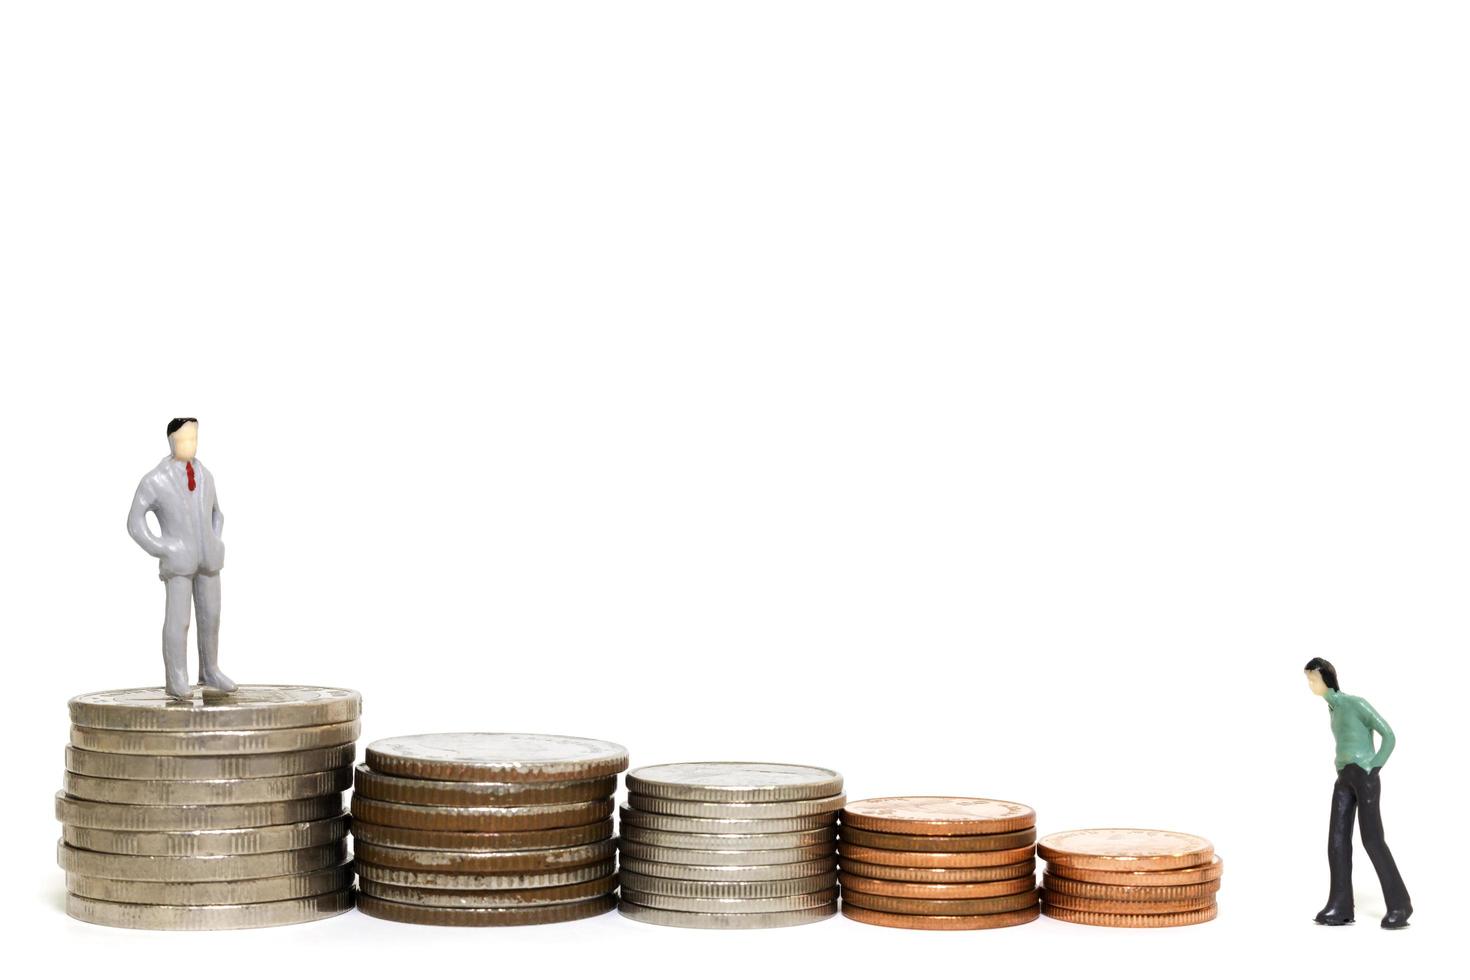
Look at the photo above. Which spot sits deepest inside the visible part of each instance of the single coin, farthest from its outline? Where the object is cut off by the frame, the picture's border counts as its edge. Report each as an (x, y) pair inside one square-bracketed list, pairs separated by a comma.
[(1123, 921), (449, 792), (734, 782), (485, 862), (214, 743), (725, 920), (252, 916), (248, 840), (735, 811), (1123, 893), (687, 888), (941, 892), (730, 872), (703, 825), (1149, 879), (998, 920), (496, 757), (213, 867), (944, 815), (954, 844), (730, 842), (425, 915), (1129, 906), (123, 816), (480, 818), (108, 765), (675, 855), (483, 882), (932, 859), (500, 898), (463, 840), (888, 872), (251, 891), (1125, 849), (941, 906), (249, 707), (158, 792), (787, 903)]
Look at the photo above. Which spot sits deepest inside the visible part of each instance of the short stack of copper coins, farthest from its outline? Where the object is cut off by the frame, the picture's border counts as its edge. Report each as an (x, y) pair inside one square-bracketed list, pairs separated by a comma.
[(1132, 879), (938, 862), (486, 829)]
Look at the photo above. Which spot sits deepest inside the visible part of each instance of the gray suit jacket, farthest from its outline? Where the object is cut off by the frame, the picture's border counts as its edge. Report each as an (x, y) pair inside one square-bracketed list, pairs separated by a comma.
[(190, 520)]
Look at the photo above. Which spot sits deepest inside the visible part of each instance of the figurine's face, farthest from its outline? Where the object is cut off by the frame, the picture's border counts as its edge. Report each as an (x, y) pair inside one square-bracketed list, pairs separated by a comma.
[(185, 441), (1316, 683)]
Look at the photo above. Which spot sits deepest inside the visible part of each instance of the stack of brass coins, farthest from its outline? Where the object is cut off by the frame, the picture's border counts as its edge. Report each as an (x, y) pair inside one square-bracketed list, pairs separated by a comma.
[(220, 812), (1136, 879), (938, 862), (482, 829), (730, 845)]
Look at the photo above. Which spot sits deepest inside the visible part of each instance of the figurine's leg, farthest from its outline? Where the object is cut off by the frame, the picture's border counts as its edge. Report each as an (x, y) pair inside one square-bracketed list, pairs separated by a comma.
[(176, 636), (1395, 895), (1339, 908), (206, 603)]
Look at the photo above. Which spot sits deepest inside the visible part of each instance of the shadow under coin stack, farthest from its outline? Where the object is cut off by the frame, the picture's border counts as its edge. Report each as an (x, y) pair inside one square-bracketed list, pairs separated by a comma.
[(938, 862), (486, 829), (1132, 879), (220, 812), (730, 845)]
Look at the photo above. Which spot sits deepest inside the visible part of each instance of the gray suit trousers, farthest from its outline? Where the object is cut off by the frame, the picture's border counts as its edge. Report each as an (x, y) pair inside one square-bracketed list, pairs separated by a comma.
[(204, 592)]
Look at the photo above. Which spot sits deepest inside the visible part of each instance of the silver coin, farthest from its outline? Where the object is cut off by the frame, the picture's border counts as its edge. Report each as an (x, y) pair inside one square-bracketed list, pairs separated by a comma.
[(701, 825), (249, 891), (463, 840), (449, 792), (191, 917), (425, 915), (676, 855), (725, 920), (459, 898), (215, 743), (731, 872), (123, 816), (496, 756), (108, 765), (484, 862), (158, 792), (785, 903), (484, 882), (248, 840), (735, 811), (726, 889), (729, 842), (252, 706), (198, 867), (734, 782), (480, 818)]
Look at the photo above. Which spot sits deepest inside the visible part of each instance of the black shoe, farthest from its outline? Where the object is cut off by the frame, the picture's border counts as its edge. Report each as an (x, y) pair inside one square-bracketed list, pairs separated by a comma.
[(1334, 916), (1397, 918)]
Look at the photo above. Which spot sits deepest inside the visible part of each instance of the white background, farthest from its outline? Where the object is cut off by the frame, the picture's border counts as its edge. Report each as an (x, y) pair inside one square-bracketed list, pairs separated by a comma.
[(990, 399)]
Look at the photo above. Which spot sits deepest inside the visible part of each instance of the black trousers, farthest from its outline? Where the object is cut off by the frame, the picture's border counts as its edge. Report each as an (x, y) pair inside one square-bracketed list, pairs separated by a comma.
[(1357, 792)]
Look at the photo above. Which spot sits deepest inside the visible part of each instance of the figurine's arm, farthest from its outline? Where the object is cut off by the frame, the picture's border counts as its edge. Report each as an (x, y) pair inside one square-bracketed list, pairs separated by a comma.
[(138, 527), (217, 517), (1385, 734)]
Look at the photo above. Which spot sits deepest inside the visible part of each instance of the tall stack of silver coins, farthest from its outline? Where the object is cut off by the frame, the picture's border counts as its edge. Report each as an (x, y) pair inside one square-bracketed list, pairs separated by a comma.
[(220, 812), (730, 845), (486, 829)]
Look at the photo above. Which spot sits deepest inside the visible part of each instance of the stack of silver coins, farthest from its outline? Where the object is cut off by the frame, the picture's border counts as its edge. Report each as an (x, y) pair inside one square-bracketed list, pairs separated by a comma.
[(730, 845), (486, 829), (220, 812)]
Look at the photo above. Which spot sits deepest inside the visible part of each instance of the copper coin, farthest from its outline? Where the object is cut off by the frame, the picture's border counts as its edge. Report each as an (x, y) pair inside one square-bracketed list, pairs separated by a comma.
[(484, 862), (998, 920), (941, 815), (453, 792), (481, 818), (931, 859), (426, 915), (1125, 849), (1124, 893), (511, 757), (955, 843), (916, 889), (941, 906), (938, 875), (1130, 906), (465, 840), (1151, 879), (484, 882), (1121, 921), (500, 898)]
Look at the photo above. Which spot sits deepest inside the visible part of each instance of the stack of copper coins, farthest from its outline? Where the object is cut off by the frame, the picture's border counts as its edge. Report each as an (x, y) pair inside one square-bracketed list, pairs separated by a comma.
[(220, 811), (730, 845), (1127, 878), (482, 829), (938, 862)]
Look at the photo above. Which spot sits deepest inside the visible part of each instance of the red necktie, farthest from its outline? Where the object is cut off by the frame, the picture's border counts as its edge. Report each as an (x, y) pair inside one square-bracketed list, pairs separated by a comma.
[(189, 469)]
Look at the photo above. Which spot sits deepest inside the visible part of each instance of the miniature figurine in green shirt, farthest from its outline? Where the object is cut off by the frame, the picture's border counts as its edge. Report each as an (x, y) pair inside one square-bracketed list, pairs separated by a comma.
[(1353, 723)]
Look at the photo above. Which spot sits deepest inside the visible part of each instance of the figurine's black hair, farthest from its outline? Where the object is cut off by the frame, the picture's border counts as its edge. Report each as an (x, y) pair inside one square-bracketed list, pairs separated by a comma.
[(1328, 672), (178, 424)]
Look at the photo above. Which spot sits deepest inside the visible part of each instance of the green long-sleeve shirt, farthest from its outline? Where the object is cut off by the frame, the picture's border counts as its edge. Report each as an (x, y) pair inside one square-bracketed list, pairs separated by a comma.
[(1353, 723)]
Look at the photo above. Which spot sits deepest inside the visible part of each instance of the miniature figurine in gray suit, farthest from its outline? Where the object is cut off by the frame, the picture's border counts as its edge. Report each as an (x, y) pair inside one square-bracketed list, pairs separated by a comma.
[(180, 493)]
